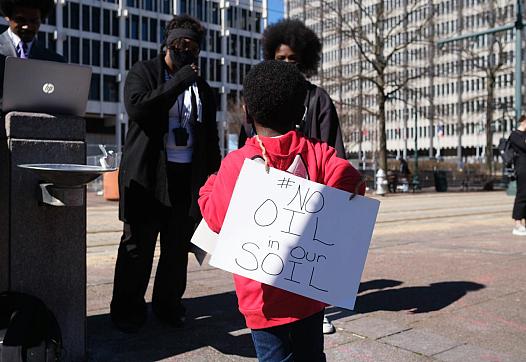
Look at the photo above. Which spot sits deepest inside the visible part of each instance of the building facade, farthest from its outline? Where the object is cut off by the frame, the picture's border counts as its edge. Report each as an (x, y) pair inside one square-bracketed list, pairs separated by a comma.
[(111, 35), (436, 95)]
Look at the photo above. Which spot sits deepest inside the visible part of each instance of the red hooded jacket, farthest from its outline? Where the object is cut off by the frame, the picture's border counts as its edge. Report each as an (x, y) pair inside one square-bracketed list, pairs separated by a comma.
[(320, 164)]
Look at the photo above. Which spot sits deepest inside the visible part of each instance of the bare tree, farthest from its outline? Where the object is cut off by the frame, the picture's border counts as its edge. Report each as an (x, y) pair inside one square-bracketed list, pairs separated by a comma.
[(485, 57), (381, 36)]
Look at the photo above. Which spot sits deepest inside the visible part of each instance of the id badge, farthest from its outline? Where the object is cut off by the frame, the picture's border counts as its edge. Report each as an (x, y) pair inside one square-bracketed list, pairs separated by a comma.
[(181, 136)]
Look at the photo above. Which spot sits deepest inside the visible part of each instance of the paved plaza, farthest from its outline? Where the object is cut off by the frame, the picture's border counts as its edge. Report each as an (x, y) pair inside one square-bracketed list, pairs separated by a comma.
[(444, 280)]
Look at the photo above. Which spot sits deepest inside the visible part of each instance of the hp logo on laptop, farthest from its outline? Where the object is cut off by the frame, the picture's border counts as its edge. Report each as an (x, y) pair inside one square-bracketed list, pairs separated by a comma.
[(48, 88)]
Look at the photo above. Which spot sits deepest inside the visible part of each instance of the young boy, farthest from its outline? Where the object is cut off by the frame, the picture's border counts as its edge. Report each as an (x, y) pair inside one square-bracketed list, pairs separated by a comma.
[(284, 325)]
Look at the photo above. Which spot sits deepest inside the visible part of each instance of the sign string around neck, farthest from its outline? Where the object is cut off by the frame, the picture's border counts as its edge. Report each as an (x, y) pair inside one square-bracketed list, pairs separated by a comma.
[(263, 153)]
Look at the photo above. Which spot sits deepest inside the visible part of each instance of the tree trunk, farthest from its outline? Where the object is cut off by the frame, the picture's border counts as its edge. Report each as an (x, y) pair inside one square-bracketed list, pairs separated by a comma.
[(382, 154), (489, 121)]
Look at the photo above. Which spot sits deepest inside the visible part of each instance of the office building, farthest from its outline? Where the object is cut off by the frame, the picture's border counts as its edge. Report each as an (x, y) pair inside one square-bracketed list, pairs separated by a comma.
[(444, 103)]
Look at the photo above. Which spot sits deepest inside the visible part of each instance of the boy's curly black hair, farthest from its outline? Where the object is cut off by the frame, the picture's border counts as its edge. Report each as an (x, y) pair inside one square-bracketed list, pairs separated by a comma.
[(7, 7), (183, 21), (302, 40), (274, 94)]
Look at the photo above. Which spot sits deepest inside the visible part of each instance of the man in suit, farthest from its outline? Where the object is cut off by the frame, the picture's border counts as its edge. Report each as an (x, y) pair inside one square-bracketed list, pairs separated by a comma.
[(24, 18), (19, 40)]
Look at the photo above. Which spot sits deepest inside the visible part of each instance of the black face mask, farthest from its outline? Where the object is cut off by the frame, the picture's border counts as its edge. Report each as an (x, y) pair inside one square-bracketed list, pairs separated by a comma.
[(181, 58)]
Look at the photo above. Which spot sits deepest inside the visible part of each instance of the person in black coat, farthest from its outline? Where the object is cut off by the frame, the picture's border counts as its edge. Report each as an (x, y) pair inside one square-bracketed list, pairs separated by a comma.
[(518, 143), (291, 41), (171, 147)]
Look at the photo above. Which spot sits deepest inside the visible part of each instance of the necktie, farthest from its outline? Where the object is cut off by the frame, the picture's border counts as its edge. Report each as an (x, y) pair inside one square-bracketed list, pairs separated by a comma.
[(22, 50)]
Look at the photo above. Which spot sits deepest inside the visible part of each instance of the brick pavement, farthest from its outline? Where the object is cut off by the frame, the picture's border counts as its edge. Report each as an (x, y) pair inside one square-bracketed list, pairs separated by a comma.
[(444, 280)]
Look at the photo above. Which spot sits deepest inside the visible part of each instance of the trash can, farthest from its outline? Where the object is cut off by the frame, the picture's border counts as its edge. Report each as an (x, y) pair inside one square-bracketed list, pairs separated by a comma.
[(110, 181), (440, 181)]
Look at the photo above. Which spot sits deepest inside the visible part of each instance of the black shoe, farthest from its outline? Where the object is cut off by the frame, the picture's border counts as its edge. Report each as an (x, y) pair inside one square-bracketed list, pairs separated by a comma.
[(127, 326), (128, 322), (173, 317)]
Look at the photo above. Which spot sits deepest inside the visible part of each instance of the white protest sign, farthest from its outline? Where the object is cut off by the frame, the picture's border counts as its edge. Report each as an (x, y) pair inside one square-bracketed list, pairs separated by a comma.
[(296, 235)]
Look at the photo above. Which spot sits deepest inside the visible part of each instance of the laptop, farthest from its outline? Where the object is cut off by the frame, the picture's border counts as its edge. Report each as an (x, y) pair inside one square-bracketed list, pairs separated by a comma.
[(45, 87)]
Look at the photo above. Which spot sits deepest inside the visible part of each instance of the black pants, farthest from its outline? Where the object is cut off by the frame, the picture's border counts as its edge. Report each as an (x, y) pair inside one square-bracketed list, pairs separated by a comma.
[(519, 207), (137, 247)]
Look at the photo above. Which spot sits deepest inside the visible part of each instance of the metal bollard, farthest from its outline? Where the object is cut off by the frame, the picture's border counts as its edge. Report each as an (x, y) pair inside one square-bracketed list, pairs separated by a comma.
[(381, 182)]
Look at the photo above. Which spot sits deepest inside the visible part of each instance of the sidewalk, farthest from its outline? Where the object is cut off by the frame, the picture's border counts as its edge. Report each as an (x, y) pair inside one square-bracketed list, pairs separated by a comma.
[(444, 280)]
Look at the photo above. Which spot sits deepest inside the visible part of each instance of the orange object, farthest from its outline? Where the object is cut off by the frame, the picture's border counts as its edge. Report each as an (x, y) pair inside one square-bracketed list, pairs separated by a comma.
[(110, 182)]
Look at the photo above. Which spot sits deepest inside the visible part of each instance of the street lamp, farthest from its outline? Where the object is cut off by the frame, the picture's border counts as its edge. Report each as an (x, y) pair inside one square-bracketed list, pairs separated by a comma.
[(416, 179)]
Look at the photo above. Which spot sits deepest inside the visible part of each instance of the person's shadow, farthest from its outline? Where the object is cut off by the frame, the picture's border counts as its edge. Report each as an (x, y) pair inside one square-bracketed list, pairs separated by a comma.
[(212, 320), (417, 299)]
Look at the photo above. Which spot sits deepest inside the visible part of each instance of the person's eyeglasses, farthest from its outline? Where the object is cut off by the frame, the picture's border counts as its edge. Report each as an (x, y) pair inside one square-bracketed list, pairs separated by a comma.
[(182, 45), (22, 20)]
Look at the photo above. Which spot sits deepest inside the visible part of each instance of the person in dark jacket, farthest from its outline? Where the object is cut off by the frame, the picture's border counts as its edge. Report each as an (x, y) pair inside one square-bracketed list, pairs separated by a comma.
[(171, 147), (291, 41), (518, 143)]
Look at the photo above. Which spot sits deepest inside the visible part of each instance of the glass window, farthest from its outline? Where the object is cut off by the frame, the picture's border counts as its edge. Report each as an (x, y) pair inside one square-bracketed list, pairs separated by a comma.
[(144, 28), (215, 13), (114, 56), (94, 89), (106, 22), (233, 72), (148, 5), (52, 18), (106, 61), (202, 68), (166, 7), (134, 55), (233, 44), (51, 43), (218, 42), (153, 30), (74, 16), (218, 71), (74, 51), (95, 53), (85, 18), (85, 52), (114, 24), (65, 50), (134, 27), (95, 19), (65, 17), (162, 25), (199, 10), (110, 88)]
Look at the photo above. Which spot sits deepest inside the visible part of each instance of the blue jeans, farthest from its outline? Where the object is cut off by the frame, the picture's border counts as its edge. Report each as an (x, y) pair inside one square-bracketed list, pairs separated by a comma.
[(298, 341)]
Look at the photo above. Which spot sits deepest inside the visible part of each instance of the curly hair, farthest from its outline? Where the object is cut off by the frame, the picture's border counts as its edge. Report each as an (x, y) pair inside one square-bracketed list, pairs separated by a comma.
[(183, 21), (274, 94), (302, 40), (7, 7)]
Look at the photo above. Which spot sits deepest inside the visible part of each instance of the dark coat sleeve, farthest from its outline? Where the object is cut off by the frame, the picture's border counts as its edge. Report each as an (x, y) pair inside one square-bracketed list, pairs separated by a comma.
[(330, 130), (141, 100), (518, 142), (322, 119), (213, 159)]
